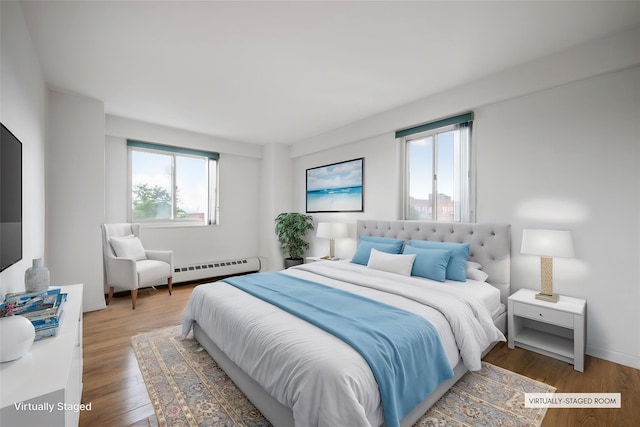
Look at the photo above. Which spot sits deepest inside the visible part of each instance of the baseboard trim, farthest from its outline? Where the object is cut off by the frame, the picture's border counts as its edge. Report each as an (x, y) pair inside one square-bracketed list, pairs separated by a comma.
[(614, 356)]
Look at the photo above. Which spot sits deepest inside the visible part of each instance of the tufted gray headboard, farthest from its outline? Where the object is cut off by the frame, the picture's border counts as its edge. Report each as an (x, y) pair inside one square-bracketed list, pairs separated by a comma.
[(490, 244)]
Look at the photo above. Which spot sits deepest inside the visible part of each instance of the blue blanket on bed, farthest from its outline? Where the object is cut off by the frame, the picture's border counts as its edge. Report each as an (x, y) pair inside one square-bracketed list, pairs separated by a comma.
[(403, 349)]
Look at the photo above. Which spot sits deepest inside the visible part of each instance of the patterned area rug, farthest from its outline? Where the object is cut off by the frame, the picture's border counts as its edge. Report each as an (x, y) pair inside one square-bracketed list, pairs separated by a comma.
[(187, 388)]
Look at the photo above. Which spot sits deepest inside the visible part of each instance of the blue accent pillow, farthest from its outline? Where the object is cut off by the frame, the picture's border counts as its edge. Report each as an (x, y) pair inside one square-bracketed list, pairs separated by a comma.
[(399, 243), (364, 251), (429, 263), (457, 268)]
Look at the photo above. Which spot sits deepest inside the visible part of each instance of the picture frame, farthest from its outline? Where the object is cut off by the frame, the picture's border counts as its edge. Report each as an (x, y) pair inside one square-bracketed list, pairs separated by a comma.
[(336, 187)]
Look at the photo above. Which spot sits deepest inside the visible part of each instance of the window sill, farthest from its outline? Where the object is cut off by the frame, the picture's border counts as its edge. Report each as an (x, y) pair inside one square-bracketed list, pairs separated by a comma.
[(173, 224)]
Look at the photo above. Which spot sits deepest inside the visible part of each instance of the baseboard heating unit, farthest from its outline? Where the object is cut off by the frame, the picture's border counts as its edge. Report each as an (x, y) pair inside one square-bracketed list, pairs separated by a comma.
[(206, 270)]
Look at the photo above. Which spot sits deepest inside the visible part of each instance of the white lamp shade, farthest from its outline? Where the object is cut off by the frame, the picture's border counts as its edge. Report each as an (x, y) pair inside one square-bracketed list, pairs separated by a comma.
[(548, 243), (332, 230)]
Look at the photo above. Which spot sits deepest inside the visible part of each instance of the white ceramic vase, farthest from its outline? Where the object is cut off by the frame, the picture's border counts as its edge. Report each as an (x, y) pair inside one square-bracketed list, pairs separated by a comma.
[(36, 278), (16, 337)]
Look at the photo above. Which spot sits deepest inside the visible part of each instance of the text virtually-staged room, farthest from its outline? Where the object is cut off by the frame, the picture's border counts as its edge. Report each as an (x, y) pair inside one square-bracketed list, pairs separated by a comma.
[(319, 213)]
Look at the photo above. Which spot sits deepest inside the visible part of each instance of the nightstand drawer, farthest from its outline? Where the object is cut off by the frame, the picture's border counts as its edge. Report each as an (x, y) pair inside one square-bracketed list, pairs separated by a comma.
[(543, 314)]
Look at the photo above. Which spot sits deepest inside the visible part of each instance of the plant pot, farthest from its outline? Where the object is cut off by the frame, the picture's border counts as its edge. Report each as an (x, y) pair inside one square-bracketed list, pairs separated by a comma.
[(290, 262)]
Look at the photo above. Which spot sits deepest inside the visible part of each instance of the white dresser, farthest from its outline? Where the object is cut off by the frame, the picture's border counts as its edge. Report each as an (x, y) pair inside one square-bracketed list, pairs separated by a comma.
[(44, 387)]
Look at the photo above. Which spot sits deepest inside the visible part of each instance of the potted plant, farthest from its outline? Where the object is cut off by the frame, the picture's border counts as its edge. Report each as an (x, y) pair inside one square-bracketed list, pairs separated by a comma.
[(291, 228)]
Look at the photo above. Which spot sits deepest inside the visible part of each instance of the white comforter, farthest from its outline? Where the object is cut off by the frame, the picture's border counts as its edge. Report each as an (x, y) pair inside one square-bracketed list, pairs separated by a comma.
[(323, 380)]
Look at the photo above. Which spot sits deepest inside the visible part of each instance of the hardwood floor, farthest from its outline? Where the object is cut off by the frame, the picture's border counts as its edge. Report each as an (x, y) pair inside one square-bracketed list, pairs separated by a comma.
[(112, 381), (114, 386), (599, 376)]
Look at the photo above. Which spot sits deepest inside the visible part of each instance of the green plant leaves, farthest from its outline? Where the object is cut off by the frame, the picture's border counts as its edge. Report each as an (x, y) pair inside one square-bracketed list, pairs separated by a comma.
[(291, 228)]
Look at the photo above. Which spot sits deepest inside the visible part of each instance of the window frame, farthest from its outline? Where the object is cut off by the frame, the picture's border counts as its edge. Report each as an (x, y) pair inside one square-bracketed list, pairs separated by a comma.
[(211, 216), (466, 183)]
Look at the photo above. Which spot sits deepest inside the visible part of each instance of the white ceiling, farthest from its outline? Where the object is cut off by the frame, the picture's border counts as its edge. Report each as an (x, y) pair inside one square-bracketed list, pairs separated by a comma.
[(282, 72)]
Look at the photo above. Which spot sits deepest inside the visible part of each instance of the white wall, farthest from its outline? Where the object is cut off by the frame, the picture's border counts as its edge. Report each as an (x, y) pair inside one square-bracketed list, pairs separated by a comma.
[(275, 197), (380, 188), (557, 146), (75, 194), (23, 111), (567, 158), (236, 236)]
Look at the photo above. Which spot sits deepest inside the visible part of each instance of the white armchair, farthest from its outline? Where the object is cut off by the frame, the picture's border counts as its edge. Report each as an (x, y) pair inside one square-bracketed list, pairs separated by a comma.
[(127, 265)]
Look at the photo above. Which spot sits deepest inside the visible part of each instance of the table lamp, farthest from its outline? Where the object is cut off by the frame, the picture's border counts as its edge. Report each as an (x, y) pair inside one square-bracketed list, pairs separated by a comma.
[(547, 244), (332, 231)]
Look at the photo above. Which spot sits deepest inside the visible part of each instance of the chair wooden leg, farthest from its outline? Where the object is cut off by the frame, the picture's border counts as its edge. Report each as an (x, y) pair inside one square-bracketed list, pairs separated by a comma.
[(170, 284), (110, 295), (134, 297)]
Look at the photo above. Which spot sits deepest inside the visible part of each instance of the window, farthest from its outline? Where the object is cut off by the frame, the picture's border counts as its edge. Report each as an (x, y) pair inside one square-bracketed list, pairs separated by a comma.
[(172, 184), (436, 182)]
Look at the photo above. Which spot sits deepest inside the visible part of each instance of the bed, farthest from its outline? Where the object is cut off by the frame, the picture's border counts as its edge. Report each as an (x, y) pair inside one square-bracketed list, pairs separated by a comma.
[(295, 373)]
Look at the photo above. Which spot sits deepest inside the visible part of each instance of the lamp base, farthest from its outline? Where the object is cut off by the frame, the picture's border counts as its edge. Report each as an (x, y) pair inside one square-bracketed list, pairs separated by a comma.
[(548, 298)]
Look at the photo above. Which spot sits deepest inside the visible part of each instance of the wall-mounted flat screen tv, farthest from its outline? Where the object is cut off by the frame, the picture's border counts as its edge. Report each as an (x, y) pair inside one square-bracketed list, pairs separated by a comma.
[(10, 199)]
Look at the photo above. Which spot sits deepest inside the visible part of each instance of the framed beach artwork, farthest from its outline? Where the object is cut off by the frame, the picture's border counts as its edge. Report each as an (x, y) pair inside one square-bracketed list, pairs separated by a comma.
[(337, 187)]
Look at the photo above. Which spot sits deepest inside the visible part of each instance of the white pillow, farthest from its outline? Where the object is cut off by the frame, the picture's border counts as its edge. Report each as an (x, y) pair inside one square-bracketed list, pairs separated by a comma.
[(128, 247), (393, 263), (474, 272)]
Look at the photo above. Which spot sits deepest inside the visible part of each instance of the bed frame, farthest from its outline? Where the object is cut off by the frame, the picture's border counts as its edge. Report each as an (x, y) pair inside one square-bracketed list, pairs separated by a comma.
[(490, 245)]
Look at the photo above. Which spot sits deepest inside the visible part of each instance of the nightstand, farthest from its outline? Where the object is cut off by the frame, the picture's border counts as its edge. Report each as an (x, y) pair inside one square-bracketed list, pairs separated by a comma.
[(554, 329)]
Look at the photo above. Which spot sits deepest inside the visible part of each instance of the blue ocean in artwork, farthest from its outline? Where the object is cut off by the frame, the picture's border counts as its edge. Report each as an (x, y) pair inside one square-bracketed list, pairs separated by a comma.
[(335, 187), (335, 199)]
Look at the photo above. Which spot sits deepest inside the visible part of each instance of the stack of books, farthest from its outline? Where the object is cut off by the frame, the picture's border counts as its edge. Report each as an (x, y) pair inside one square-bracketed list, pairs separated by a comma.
[(44, 309)]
